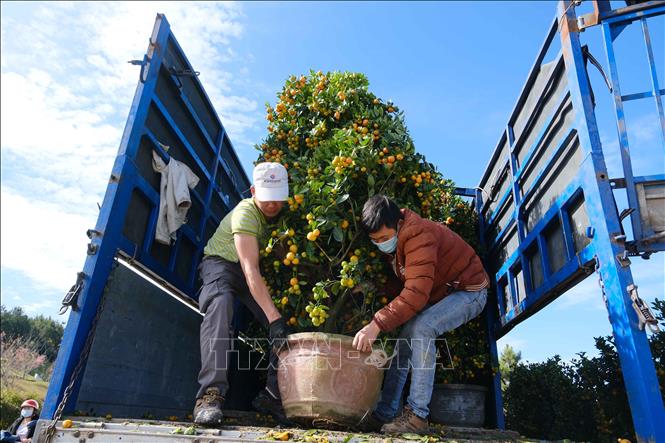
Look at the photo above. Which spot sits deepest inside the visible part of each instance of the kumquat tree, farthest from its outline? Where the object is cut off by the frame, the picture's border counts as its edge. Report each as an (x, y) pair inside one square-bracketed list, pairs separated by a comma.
[(341, 144)]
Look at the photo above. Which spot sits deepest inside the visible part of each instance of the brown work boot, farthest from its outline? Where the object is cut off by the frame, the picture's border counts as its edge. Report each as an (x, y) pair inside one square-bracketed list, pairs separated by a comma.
[(208, 409), (407, 422)]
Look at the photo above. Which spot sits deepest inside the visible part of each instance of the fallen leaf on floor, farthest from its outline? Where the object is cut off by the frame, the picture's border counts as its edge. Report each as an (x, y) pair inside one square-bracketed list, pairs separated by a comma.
[(190, 431), (281, 436), (315, 438)]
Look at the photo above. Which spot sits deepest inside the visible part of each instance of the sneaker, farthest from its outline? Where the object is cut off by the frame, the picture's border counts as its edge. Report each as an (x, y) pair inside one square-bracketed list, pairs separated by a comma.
[(408, 421), (371, 423), (208, 409), (266, 403)]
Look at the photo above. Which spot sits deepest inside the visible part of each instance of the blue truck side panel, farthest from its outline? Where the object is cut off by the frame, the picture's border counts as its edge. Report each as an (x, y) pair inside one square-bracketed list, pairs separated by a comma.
[(612, 27), (170, 108), (548, 215), (636, 361)]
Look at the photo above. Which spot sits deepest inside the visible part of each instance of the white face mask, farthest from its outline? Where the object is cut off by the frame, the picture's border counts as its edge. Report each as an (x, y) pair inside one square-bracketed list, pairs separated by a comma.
[(27, 412), (387, 246)]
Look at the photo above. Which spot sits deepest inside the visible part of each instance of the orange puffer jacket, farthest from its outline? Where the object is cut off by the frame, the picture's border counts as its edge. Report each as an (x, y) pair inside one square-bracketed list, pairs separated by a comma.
[(431, 261)]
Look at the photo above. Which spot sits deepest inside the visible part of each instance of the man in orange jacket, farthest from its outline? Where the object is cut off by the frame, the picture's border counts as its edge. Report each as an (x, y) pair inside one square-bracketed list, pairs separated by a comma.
[(443, 285)]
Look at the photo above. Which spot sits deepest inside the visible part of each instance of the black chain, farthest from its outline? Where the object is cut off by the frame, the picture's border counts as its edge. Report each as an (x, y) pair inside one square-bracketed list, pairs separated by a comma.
[(644, 314), (50, 430), (601, 283)]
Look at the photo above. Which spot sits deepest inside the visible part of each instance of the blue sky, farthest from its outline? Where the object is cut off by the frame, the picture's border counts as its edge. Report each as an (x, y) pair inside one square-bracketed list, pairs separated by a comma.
[(454, 68)]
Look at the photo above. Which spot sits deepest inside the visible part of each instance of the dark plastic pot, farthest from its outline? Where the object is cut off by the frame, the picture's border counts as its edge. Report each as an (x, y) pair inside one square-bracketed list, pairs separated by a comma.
[(458, 405)]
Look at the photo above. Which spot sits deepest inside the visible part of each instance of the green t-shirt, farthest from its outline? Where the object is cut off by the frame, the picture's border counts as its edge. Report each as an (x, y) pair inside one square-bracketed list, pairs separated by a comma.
[(245, 218)]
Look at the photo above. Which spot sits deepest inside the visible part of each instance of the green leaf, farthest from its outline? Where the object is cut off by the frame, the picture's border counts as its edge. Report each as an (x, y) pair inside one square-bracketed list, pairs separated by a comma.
[(309, 248), (190, 431), (342, 199), (338, 234), (370, 181)]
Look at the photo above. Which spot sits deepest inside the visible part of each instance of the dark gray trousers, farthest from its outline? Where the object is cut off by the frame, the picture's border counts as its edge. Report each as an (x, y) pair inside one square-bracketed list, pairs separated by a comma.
[(223, 281)]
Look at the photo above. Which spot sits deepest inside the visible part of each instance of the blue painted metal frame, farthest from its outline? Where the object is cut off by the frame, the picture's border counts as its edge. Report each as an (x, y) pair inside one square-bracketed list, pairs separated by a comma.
[(499, 420), (126, 179), (590, 183), (636, 361), (612, 27)]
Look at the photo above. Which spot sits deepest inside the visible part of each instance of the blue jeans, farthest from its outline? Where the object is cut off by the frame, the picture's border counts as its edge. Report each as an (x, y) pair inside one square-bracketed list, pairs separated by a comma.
[(416, 350), (8, 437)]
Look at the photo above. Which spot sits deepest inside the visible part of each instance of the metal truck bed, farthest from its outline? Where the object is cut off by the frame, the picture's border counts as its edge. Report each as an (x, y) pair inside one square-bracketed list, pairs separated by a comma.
[(249, 427)]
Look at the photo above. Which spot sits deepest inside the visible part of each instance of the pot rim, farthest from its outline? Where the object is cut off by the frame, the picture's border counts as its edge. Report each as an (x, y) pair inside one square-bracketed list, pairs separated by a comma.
[(460, 387), (325, 336)]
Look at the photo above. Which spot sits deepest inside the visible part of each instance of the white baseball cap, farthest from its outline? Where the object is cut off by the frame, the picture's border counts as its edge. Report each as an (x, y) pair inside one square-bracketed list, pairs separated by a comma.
[(271, 182)]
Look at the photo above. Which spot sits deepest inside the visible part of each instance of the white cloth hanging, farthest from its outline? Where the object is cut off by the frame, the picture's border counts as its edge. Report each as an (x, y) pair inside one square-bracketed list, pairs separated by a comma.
[(174, 200)]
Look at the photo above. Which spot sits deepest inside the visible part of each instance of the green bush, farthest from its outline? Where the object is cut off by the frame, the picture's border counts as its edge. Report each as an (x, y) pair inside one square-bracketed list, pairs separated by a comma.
[(44, 331), (12, 397), (10, 407), (543, 402), (581, 400)]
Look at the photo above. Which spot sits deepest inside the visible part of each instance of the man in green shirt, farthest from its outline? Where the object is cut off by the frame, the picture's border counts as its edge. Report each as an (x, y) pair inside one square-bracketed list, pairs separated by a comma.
[(229, 270)]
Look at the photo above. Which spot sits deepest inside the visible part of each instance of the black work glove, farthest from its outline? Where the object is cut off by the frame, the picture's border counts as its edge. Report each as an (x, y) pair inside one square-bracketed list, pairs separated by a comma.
[(277, 332)]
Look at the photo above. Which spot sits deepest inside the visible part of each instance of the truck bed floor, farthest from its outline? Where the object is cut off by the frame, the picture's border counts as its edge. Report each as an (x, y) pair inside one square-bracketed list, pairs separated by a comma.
[(250, 427)]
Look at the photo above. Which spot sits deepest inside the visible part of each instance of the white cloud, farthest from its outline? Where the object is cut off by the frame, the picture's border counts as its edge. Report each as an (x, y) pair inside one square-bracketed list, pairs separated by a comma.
[(39, 307), (643, 138), (586, 294), (65, 94), (67, 150), (85, 66), (518, 344), (42, 241), (612, 155), (647, 275)]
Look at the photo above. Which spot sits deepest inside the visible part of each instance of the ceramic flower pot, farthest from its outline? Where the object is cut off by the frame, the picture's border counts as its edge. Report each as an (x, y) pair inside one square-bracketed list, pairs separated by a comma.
[(324, 380)]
